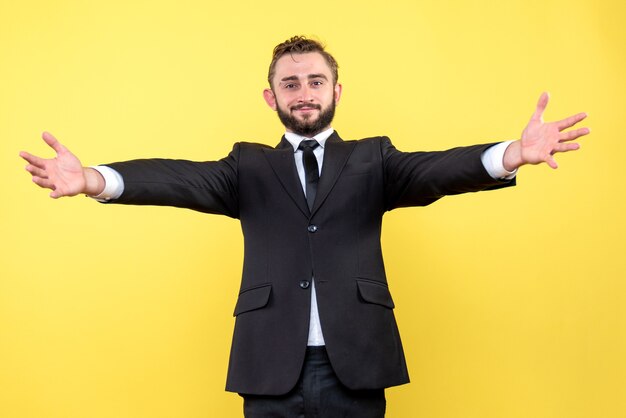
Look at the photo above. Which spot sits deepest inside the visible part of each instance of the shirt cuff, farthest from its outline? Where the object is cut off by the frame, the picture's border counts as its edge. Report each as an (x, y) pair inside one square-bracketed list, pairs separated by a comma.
[(113, 184), (493, 160)]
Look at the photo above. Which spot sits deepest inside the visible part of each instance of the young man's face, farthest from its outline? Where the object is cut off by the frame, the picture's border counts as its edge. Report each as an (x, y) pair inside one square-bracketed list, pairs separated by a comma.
[(303, 93)]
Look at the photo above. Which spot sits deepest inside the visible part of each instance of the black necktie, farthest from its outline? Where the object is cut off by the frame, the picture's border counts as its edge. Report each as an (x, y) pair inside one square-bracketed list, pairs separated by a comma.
[(311, 170)]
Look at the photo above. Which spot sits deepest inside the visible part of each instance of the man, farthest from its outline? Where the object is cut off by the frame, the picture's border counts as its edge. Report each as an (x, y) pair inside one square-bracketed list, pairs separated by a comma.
[(315, 333)]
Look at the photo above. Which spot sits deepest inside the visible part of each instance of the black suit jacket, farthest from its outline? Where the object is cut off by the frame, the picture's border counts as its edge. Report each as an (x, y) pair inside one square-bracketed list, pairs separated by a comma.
[(337, 242)]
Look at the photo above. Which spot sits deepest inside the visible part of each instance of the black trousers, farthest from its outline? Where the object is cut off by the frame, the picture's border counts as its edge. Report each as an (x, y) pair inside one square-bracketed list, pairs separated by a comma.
[(318, 394)]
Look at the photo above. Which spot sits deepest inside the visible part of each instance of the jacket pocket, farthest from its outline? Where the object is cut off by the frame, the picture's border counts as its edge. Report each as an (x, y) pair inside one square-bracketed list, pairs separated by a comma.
[(375, 292), (253, 298)]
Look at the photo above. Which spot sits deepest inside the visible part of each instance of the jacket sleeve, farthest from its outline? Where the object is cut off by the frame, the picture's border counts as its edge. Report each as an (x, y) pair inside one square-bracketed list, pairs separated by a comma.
[(210, 186), (421, 178)]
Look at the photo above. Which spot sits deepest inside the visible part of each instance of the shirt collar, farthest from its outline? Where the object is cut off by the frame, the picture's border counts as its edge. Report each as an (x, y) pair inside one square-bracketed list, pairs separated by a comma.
[(295, 139)]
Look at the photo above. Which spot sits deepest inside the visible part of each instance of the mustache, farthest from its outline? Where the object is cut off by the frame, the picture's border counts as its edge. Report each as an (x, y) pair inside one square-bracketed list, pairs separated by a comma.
[(308, 105)]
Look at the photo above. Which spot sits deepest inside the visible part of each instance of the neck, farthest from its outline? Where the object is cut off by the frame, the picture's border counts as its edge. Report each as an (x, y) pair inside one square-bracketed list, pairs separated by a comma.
[(310, 135)]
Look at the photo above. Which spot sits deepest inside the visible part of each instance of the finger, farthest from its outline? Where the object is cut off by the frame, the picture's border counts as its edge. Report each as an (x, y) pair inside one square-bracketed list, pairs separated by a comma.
[(36, 171), (570, 135), (44, 183), (552, 163), (571, 121), (570, 146), (33, 159), (541, 106), (53, 142)]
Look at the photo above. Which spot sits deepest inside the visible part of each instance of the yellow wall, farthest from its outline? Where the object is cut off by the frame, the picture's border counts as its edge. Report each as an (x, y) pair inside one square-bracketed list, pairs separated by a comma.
[(511, 303)]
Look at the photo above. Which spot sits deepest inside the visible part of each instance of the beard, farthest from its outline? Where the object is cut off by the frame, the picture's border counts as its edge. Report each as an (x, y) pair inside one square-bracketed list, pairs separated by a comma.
[(307, 127)]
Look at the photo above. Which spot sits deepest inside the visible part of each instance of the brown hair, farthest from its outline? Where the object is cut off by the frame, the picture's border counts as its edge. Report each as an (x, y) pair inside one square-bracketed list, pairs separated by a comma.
[(301, 45)]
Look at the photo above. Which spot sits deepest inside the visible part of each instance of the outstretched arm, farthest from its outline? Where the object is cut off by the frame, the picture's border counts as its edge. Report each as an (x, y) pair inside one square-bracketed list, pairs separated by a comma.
[(64, 174), (541, 140)]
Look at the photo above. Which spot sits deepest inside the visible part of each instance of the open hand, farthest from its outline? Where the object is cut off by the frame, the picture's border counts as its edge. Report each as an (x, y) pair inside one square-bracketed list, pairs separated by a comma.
[(64, 174), (541, 140)]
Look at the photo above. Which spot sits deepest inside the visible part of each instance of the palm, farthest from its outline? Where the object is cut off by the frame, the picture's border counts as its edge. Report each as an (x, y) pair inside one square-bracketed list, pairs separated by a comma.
[(541, 140), (62, 174)]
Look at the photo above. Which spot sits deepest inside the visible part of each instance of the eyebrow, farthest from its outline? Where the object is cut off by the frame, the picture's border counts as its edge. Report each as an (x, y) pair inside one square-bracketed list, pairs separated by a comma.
[(310, 76)]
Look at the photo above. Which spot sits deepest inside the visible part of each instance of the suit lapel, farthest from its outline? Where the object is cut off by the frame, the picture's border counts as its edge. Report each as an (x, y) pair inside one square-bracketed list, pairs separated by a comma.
[(336, 153), (283, 163)]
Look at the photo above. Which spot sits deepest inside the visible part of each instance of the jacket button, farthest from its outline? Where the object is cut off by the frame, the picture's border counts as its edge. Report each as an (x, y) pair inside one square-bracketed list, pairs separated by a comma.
[(312, 228), (305, 284)]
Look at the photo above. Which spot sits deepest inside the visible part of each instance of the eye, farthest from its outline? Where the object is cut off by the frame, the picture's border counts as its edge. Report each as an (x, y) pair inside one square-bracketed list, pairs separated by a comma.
[(317, 83), (290, 86)]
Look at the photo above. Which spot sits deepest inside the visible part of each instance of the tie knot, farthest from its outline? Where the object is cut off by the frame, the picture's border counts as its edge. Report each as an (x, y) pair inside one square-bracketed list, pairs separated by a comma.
[(308, 143)]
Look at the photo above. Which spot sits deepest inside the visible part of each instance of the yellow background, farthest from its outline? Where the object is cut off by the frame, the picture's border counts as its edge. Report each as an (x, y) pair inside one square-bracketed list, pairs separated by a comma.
[(510, 303)]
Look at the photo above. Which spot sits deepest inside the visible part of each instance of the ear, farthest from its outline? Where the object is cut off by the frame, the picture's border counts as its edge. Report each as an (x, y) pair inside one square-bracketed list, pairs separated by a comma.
[(338, 88), (270, 99)]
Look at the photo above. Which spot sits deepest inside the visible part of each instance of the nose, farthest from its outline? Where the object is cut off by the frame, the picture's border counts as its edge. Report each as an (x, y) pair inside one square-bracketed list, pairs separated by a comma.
[(305, 94)]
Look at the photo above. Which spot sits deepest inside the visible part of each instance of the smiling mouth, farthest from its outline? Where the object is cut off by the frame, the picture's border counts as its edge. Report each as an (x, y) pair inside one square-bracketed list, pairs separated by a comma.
[(306, 108)]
